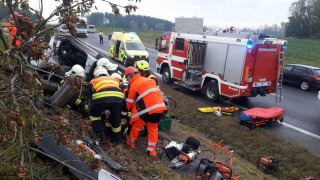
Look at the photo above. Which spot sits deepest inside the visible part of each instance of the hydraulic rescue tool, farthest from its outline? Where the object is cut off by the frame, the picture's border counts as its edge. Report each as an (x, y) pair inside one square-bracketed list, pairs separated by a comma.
[(268, 164)]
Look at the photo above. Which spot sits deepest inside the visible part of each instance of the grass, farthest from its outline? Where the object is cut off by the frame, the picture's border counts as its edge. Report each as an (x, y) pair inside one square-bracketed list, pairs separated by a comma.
[(303, 51)]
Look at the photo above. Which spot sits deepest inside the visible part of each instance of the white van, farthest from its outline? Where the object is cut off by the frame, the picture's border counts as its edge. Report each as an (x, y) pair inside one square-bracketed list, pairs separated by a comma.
[(81, 30), (91, 29)]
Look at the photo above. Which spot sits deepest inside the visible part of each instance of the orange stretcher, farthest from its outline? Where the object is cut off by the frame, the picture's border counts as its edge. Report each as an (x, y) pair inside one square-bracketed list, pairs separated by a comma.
[(261, 116)]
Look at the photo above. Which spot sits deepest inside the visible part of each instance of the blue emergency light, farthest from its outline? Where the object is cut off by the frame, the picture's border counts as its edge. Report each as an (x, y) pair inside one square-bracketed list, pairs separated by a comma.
[(249, 44)]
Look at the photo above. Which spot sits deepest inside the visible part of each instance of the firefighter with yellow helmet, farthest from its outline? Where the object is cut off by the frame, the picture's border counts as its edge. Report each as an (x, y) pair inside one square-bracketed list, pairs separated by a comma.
[(144, 69)]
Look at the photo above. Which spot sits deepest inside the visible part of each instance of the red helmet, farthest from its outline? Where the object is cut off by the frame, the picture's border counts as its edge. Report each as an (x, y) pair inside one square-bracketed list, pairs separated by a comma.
[(130, 70), (16, 14)]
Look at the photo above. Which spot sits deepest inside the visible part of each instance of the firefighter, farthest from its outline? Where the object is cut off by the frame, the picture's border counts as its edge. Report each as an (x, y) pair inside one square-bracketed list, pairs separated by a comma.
[(144, 69), (105, 95), (79, 103), (104, 62), (111, 68), (12, 29), (145, 103)]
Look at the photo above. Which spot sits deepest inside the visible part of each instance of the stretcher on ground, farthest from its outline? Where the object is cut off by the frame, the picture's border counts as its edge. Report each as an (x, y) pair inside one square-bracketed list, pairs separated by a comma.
[(261, 116)]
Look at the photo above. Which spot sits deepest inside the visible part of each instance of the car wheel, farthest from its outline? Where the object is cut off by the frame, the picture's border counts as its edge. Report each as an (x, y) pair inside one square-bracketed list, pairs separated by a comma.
[(166, 76), (125, 62), (211, 91), (305, 85)]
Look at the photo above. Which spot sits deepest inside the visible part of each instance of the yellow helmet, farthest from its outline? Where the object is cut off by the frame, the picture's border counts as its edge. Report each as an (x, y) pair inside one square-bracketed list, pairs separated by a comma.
[(142, 65)]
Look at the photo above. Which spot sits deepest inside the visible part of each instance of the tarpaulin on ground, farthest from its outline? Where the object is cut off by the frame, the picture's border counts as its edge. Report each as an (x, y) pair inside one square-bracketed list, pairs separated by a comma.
[(264, 113)]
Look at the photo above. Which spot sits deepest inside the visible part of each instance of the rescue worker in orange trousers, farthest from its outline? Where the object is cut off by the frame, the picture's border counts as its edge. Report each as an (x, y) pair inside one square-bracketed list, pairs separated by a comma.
[(12, 29), (147, 107), (105, 94), (144, 69)]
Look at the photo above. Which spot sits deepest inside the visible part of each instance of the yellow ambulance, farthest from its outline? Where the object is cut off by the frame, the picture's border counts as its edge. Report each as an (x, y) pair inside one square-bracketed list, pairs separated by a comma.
[(127, 48)]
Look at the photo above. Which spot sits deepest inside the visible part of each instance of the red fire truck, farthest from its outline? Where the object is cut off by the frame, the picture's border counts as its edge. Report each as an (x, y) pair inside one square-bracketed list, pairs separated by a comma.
[(222, 66)]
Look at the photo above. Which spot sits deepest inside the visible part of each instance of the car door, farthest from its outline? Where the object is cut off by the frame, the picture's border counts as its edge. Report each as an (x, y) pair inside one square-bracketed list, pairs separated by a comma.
[(121, 51), (298, 74), (287, 73)]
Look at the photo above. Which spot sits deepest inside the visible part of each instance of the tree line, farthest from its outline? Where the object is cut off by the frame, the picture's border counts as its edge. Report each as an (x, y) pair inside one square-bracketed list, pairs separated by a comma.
[(134, 22), (304, 19)]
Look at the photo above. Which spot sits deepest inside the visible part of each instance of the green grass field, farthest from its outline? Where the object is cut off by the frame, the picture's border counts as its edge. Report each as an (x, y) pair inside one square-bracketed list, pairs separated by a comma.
[(303, 51)]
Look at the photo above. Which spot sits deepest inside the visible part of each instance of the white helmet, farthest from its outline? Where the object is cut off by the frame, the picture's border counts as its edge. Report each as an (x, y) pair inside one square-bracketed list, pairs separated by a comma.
[(98, 71), (112, 66), (76, 70), (104, 62), (116, 75)]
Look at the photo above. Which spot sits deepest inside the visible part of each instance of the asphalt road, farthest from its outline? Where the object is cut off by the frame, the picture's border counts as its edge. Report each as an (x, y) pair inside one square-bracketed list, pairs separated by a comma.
[(302, 122)]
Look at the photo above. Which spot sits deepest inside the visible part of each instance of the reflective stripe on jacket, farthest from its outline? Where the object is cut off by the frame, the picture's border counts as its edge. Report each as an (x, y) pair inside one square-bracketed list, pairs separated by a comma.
[(144, 97), (106, 87), (153, 77)]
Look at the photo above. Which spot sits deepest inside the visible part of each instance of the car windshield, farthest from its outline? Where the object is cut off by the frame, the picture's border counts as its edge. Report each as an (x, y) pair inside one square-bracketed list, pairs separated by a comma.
[(135, 46), (81, 26), (91, 27)]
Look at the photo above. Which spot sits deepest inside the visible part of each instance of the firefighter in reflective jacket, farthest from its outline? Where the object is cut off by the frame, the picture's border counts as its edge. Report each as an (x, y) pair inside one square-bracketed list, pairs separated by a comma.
[(13, 30), (105, 94), (147, 107), (104, 62), (144, 69)]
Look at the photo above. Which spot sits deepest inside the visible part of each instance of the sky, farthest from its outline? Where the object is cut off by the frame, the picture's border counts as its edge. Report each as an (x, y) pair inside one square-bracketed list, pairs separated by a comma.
[(216, 13)]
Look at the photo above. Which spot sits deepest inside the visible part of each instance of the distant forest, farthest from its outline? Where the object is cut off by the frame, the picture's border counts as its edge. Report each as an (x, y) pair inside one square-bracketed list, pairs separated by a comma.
[(134, 22)]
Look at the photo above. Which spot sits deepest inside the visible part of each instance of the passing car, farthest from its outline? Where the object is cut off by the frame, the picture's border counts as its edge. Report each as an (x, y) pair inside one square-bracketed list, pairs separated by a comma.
[(91, 29), (306, 77)]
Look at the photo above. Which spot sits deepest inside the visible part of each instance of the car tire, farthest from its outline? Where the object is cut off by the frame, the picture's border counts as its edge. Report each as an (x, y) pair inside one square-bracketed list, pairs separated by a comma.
[(166, 76), (211, 91), (304, 85)]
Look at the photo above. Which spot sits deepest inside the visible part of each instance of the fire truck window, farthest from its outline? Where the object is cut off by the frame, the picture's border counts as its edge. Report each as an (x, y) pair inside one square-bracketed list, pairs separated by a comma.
[(179, 44), (164, 44)]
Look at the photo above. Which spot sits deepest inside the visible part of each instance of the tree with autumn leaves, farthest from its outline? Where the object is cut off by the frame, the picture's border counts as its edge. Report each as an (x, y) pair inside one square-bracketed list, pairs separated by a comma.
[(23, 118)]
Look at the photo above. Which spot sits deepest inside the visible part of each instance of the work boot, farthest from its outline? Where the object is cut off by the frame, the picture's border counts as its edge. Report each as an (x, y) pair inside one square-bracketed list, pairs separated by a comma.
[(103, 137), (130, 144), (116, 138), (152, 154)]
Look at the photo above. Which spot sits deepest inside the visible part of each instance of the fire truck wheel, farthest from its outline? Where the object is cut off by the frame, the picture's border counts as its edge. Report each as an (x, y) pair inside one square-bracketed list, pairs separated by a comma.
[(166, 76), (211, 91)]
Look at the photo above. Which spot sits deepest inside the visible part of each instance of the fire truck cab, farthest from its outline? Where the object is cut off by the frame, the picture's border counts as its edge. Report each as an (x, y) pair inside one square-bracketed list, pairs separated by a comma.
[(221, 66)]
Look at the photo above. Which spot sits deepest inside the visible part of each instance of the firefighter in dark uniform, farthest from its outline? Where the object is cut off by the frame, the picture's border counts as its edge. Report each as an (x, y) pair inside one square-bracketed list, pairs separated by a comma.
[(105, 95)]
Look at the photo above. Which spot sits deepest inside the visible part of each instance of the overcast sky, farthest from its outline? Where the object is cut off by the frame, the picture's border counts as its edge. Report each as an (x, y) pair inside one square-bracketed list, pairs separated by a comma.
[(221, 13)]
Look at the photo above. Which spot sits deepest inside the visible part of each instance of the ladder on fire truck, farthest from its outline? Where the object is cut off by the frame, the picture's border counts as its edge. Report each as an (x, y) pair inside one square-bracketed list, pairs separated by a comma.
[(280, 77)]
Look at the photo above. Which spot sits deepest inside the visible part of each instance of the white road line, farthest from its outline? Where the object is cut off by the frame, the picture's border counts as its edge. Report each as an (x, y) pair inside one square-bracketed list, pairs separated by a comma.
[(288, 125), (275, 94), (301, 130)]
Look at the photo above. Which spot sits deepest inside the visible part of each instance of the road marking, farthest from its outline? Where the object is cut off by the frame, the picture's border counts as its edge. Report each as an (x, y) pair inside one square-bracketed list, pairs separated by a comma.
[(288, 125), (275, 95), (152, 49), (301, 130)]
